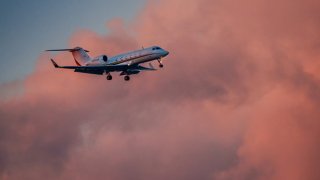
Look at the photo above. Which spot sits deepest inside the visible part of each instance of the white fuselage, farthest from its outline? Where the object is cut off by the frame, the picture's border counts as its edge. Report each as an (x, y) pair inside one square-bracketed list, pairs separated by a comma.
[(131, 58)]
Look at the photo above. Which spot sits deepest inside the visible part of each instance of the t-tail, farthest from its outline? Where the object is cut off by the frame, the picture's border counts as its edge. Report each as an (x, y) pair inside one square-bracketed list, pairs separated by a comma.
[(79, 54)]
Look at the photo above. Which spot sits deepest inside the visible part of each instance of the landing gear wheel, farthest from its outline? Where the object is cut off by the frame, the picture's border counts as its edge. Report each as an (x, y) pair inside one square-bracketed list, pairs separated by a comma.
[(126, 78), (161, 65), (109, 77)]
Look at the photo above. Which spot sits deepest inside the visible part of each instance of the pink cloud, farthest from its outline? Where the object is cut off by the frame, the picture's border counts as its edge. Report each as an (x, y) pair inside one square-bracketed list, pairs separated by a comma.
[(238, 99)]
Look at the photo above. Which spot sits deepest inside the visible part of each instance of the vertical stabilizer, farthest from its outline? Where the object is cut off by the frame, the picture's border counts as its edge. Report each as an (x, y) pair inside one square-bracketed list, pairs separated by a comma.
[(80, 56)]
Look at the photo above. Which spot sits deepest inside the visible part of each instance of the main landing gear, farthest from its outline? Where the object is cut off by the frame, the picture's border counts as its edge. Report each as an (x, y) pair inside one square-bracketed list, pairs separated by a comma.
[(125, 75), (160, 63), (109, 77), (126, 78)]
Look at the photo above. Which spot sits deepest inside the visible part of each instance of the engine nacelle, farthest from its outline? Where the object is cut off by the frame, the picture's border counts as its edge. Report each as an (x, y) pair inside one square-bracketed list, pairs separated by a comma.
[(101, 59)]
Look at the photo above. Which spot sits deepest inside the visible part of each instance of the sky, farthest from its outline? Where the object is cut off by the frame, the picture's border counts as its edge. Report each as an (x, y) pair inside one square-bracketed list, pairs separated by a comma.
[(28, 28), (237, 99)]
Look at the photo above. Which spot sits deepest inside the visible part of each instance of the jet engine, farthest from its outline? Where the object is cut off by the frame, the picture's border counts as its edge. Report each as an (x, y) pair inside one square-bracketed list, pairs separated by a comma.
[(101, 58)]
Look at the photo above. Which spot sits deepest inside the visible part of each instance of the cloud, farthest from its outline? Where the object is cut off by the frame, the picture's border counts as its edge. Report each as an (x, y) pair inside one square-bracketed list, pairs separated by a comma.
[(238, 99)]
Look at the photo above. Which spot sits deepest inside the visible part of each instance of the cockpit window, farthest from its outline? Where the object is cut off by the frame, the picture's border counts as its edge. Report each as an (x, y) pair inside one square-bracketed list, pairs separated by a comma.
[(156, 48)]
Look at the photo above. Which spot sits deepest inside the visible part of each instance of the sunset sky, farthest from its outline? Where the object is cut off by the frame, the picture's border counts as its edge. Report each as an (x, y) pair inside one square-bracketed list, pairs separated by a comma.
[(238, 98), (29, 27)]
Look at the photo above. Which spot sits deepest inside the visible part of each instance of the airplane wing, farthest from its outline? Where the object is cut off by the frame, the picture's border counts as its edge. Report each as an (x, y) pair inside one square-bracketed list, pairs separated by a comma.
[(100, 69), (135, 69), (142, 68)]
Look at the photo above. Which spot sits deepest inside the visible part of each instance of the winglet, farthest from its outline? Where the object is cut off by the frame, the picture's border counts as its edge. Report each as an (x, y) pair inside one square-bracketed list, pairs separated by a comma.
[(54, 63)]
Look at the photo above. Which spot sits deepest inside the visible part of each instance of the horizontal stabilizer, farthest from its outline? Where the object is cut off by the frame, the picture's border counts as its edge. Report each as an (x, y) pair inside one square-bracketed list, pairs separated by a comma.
[(70, 50)]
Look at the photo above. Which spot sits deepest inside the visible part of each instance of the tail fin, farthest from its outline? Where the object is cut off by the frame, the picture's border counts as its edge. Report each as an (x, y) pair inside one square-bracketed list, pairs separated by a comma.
[(79, 54)]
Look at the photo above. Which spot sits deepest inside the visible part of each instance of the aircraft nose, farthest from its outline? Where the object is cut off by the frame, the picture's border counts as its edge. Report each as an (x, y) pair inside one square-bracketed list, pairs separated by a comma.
[(166, 53)]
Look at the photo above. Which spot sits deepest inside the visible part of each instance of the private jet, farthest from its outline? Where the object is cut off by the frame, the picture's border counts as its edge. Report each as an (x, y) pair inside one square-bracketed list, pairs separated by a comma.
[(127, 63)]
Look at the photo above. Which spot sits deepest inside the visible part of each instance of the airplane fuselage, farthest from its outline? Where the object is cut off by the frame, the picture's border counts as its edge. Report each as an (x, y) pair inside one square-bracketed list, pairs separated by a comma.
[(131, 58)]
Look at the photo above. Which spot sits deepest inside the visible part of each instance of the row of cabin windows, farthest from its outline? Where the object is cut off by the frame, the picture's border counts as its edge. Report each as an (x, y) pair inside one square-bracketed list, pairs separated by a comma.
[(136, 55), (129, 57)]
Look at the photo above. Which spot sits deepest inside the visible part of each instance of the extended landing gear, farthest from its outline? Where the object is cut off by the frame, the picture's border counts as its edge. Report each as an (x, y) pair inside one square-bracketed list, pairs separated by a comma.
[(109, 77), (126, 78), (160, 63)]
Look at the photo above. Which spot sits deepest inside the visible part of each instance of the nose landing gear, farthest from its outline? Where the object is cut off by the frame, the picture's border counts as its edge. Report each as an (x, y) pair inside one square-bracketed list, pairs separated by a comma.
[(109, 77), (160, 63)]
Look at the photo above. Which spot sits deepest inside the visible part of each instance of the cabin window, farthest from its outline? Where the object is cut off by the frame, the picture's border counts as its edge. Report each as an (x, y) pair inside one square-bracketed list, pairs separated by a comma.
[(105, 58)]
